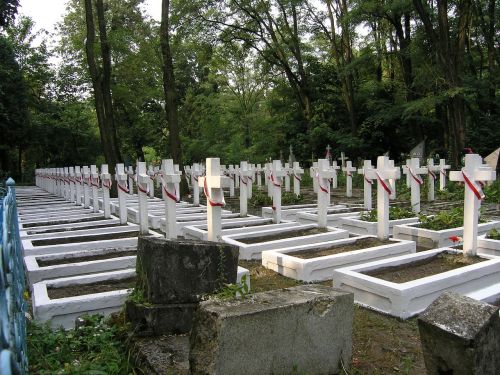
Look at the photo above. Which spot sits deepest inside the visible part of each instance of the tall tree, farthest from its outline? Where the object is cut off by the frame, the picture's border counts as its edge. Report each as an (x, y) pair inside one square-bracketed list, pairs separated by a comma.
[(169, 87), (101, 80)]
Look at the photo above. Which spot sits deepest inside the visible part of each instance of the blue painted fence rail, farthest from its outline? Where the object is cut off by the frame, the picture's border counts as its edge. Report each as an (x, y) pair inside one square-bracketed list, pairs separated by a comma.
[(13, 356)]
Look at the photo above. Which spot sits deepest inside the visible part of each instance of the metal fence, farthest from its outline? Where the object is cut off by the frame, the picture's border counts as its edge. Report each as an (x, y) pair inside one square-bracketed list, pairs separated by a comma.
[(13, 356)]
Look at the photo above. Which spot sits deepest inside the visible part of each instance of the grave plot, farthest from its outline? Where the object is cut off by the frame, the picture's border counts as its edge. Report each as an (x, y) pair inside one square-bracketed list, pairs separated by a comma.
[(429, 238), (489, 243), (289, 212), (68, 227), (366, 223), (316, 262), (44, 267), (240, 225), (92, 231), (40, 222), (59, 243), (252, 243), (188, 220), (60, 301), (156, 216), (333, 215), (405, 285)]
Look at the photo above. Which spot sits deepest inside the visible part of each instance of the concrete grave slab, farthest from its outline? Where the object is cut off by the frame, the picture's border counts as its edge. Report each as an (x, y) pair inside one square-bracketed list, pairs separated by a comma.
[(407, 299), (488, 246), (362, 227), (321, 268)]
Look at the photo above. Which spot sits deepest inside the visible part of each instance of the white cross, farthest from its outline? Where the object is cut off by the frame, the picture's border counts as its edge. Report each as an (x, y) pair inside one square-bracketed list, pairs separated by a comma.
[(177, 184), (187, 174), (473, 174), (348, 169), (237, 174), (392, 182), (78, 185), (67, 184), (343, 159), (432, 172), (275, 181), (297, 171), (232, 176), (442, 173), (251, 178), (130, 173), (414, 171), (335, 168), (169, 179), (258, 170), (245, 177), (86, 187), (405, 171), (267, 173), (383, 173), (121, 183), (323, 175), (142, 193), (94, 184), (368, 182), (213, 184), (312, 172), (195, 174), (72, 183), (287, 170), (106, 187), (151, 181)]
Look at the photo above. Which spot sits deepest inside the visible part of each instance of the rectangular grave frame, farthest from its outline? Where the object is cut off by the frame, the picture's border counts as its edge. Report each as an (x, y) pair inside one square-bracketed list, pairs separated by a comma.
[(361, 227), (404, 300), (24, 233), (290, 212), (75, 233), (321, 268), (332, 220), (429, 238), (253, 251), (488, 246)]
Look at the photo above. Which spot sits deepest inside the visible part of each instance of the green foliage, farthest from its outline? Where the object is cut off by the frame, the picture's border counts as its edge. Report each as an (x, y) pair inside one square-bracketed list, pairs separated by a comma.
[(492, 192), (452, 192), (493, 234), (259, 199), (452, 218), (395, 213), (93, 348), (230, 291), (290, 198)]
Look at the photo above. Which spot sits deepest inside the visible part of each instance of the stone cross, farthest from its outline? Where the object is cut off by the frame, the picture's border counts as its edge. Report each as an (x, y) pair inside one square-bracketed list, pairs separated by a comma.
[(323, 174), (368, 182), (94, 183), (405, 171), (237, 174), (291, 156), (442, 173), (106, 187), (86, 187), (177, 184), (232, 176), (268, 179), (142, 180), (383, 173), (277, 173), (328, 155), (151, 181), (392, 182), (195, 174), (348, 169), (60, 173), (245, 175), (414, 171), (297, 171), (312, 172), (121, 183), (287, 170), (130, 173), (258, 170), (67, 180), (213, 184), (343, 159), (157, 174), (72, 186), (78, 185), (251, 178), (187, 175), (473, 175), (432, 171), (334, 168), (169, 179)]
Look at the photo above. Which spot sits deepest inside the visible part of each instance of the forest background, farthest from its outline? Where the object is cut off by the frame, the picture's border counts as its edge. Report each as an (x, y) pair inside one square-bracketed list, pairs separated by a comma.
[(245, 79)]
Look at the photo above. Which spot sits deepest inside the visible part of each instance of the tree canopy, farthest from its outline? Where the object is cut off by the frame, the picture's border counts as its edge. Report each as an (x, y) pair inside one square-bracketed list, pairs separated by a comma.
[(245, 79)]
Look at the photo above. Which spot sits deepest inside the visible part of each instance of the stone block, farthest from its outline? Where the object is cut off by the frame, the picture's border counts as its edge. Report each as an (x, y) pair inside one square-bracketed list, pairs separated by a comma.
[(156, 320), (460, 335), (306, 329), (181, 271)]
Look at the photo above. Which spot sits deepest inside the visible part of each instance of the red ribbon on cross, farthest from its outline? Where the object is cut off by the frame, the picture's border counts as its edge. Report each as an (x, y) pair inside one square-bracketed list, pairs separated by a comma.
[(298, 178), (384, 185), (432, 174), (172, 196), (275, 183), (478, 192), (322, 188), (415, 177), (368, 180), (107, 184), (209, 200), (122, 187)]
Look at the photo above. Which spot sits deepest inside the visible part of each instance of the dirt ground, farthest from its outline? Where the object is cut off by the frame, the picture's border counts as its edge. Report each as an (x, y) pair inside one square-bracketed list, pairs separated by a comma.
[(381, 344)]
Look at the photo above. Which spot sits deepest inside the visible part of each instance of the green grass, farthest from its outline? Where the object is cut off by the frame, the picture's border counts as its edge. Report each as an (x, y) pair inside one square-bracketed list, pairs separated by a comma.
[(395, 213), (94, 348)]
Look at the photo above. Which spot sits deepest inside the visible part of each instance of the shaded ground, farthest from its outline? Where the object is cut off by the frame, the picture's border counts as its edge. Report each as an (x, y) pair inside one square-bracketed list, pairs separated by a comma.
[(381, 344)]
